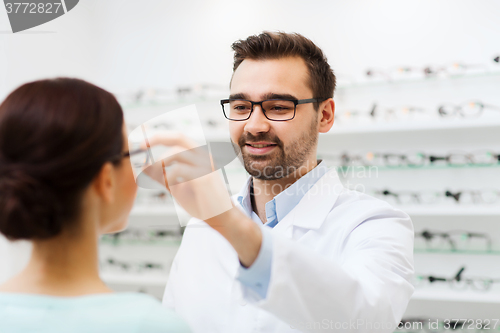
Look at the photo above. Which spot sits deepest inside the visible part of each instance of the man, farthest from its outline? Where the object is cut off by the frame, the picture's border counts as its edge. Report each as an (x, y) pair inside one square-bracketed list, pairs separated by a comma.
[(300, 252)]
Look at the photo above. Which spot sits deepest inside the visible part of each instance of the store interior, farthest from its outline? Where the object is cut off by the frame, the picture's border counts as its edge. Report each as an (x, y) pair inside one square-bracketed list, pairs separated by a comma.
[(417, 120)]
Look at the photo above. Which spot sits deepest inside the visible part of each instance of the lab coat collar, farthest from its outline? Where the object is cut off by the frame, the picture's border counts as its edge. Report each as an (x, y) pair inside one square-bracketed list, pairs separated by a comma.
[(317, 203), (240, 197)]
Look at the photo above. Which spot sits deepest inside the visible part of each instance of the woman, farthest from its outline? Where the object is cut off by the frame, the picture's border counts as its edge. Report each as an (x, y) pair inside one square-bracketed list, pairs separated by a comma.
[(65, 180)]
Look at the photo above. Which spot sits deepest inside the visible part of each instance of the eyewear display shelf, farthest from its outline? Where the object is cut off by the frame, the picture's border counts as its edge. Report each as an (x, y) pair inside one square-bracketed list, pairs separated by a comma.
[(432, 134), (141, 263)]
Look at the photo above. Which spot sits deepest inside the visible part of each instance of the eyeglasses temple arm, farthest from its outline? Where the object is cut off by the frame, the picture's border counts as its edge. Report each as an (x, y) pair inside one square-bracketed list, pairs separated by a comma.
[(459, 273), (311, 100)]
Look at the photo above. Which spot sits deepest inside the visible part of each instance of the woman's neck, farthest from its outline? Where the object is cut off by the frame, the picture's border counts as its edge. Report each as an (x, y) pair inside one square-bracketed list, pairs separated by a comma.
[(65, 265)]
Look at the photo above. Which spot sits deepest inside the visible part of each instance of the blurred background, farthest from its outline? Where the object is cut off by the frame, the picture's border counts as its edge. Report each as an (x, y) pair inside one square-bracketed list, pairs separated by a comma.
[(417, 118)]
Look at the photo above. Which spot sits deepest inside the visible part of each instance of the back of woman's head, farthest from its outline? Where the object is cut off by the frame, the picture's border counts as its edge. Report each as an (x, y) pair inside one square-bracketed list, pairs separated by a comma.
[(55, 136)]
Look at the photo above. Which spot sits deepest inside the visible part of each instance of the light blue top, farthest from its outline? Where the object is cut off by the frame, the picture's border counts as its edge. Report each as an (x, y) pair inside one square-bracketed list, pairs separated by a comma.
[(258, 275), (113, 312)]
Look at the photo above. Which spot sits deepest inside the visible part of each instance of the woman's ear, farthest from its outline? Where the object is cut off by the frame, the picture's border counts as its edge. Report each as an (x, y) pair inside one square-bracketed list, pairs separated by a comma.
[(104, 183), (327, 115)]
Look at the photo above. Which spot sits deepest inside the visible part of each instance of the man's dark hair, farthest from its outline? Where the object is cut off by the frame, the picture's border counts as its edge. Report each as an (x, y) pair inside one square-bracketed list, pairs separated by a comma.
[(276, 45)]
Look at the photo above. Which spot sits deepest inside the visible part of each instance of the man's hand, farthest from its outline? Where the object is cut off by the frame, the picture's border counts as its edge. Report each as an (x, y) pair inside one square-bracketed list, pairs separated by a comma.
[(188, 174)]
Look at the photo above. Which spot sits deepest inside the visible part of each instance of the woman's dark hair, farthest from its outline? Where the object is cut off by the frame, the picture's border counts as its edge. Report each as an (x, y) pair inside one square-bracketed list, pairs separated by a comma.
[(55, 136)]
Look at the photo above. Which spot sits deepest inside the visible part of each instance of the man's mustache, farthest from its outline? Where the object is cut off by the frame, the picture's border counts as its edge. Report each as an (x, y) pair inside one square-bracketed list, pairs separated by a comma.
[(248, 137)]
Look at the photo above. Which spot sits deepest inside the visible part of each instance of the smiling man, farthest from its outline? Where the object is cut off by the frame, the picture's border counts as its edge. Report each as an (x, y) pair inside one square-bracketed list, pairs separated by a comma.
[(299, 252)]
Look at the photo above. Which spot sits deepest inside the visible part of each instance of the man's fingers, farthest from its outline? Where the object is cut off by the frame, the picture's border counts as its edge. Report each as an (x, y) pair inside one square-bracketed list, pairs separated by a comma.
[(198, 157), (179, 173), (169, 139), (178, 154)]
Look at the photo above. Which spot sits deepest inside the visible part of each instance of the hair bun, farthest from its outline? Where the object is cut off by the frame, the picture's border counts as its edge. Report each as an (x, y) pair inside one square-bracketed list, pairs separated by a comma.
[(28, 208)]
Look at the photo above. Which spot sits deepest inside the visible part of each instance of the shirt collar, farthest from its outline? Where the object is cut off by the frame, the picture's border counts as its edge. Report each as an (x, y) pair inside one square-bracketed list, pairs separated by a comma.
[(284, 202)]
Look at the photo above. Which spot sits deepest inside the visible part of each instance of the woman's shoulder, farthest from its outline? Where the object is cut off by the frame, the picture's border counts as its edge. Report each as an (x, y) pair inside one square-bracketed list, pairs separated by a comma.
[(161, 319), (101, 299), (151, 315), (134, 312)]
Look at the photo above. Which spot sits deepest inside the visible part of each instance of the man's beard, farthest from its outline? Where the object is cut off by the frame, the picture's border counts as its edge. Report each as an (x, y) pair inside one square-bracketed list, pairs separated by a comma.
[(282, 161)]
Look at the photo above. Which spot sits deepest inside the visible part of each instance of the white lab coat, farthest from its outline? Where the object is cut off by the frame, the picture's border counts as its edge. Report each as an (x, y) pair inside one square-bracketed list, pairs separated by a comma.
[(342, 261)]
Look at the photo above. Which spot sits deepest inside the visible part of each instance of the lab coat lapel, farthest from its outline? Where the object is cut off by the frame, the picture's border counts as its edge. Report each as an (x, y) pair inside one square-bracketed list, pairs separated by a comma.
[(313, 208)]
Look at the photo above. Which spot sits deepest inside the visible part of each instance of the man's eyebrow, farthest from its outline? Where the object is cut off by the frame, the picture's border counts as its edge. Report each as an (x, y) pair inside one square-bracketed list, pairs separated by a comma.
[(264, 97), (238, 96), (278, 96)]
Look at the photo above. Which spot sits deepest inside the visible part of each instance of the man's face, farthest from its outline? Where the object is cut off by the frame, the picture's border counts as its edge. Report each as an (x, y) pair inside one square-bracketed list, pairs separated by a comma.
[(293, 142)]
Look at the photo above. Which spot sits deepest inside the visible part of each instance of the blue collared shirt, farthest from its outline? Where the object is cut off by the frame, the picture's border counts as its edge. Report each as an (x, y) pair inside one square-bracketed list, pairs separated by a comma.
[(258, 275)]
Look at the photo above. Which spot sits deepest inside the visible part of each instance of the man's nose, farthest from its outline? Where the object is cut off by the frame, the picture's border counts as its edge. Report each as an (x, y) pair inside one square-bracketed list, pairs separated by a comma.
[(257, 122)]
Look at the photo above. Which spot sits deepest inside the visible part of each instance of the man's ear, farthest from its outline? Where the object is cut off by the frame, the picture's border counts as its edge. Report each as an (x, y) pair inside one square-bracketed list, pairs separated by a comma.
[(326, 115), (104, 183)]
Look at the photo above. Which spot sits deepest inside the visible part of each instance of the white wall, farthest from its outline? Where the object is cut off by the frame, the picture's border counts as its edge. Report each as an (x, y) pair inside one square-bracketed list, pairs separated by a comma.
[(124, 45), (63, 47), (167, 43)]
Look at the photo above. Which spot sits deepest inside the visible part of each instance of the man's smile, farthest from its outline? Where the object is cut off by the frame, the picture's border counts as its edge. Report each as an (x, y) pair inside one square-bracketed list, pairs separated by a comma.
[(258, 148)]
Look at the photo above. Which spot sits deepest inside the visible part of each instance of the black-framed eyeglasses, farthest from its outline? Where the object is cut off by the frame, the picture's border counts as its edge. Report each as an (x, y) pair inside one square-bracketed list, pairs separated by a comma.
[(454, 240), (273, 109), (410, 197), (414, 159), (114, 264), (458, 282), (485, 196)]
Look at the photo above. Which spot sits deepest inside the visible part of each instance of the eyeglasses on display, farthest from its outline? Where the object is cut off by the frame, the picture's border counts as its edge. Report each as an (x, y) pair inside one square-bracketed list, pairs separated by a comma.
[(424, 72), (466, 109), (111, 264), (413, 159), (143, 236), (458, 282), (377, 112), (461, 158), (157, 96), (485, 196), (454, 240), (395, 112), (409, 197), (273, 109), (464, 197)]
